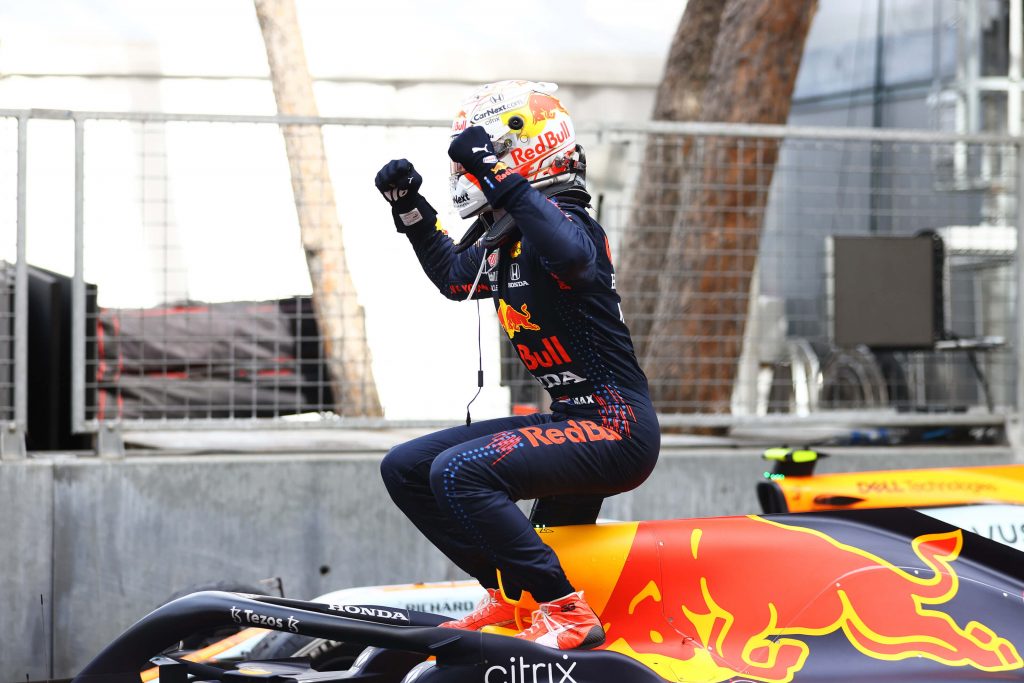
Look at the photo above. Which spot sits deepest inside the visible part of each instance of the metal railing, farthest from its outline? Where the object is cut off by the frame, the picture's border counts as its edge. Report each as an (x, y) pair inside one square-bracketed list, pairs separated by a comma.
[(13, 288), (192, 304)]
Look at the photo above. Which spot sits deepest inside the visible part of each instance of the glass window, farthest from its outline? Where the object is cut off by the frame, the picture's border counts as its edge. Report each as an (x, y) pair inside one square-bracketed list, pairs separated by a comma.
[(994, 24), (839, 54), (993, 112), (910, 31)]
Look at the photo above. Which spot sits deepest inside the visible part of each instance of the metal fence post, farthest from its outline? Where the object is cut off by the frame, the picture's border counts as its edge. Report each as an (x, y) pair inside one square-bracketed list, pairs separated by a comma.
[(12, 437), (108, 442), (78, 294), (1015, 426)]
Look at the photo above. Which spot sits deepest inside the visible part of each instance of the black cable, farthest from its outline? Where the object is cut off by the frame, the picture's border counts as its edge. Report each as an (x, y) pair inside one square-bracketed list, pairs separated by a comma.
[(480, 369), (972, 358)]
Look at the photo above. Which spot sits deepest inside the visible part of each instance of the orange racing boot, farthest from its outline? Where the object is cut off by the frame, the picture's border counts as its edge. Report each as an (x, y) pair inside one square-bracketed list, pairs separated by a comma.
[(565, 624), (492, 610)]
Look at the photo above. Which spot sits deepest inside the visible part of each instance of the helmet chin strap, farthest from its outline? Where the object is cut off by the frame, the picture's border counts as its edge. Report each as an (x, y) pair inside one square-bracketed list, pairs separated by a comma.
[(492, 233), (489, 228), (499, 232)]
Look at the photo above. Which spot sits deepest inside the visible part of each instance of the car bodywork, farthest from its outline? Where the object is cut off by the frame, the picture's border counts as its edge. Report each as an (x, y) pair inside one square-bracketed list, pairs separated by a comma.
[(792, 485), (868, 595), (448, 598), (988, 500)]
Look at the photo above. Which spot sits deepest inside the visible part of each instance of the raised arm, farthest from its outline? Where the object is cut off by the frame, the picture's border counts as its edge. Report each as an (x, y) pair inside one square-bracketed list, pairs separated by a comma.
[(453, 274)]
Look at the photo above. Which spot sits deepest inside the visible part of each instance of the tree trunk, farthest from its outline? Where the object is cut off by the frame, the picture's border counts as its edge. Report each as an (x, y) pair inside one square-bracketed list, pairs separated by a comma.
[(659, 194), (339, 315), (697, 328)]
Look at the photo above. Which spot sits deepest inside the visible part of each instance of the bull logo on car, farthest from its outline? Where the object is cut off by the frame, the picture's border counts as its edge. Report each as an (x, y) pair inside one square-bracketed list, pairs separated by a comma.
[(748, 619), (749, 598)]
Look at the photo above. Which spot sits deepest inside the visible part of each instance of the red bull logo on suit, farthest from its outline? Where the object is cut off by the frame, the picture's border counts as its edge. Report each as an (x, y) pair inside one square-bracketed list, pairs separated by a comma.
[(514, 320), (574, 431)]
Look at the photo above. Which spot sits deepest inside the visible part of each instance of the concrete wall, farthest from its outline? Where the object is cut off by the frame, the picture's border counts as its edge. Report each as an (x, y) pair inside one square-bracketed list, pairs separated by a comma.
[(26, 568), (104, 542)]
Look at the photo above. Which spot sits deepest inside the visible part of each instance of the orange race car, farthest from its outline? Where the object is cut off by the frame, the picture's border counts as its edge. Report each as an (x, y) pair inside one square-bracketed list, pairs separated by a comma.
[(988, 500)]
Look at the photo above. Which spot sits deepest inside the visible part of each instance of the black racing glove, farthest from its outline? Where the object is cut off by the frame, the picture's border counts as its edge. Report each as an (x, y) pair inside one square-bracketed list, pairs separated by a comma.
[(400, 184), (473, 149)]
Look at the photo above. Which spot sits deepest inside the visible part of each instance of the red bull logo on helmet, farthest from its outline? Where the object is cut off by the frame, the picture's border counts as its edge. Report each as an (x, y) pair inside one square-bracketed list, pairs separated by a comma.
[(460, 123), (543, 107), (547, 142), (514, 320)]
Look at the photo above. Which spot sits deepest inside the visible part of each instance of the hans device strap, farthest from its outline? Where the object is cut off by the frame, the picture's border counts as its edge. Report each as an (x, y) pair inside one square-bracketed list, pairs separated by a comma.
[(495, 233)]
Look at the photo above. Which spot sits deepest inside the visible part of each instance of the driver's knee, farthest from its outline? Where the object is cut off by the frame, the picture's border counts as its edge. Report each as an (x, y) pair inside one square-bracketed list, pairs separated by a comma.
[(403, 465), (457, 475)]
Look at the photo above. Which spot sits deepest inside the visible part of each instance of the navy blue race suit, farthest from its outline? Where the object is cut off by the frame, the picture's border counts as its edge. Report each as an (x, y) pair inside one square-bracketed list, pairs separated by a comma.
[(554, 290)]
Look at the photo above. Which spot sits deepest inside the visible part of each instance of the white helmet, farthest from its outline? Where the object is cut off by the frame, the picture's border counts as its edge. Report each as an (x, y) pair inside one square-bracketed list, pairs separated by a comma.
[(531, 132)]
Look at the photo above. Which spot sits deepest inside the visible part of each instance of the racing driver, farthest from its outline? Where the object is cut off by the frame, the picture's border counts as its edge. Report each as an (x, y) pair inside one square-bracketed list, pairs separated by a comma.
[(517, 169)]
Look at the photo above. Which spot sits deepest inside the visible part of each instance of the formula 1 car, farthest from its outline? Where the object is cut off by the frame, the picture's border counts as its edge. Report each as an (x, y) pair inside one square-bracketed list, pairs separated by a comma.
[(988, 500), (858, 595), (452, 599)]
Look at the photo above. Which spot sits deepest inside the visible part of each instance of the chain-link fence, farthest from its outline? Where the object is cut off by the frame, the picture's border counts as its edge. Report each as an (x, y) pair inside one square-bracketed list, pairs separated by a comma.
[(219, 287), (202, 306), (800, 271), (244, 272), (13, 323)]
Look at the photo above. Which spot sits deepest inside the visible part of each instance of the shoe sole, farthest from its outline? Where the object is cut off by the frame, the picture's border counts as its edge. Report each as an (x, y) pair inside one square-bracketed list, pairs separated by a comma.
[(595, 638)]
